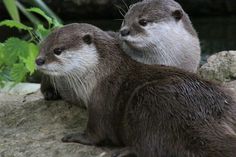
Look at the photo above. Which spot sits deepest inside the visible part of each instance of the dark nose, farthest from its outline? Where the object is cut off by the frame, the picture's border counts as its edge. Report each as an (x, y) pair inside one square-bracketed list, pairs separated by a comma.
[(124, 32), (40, 61)]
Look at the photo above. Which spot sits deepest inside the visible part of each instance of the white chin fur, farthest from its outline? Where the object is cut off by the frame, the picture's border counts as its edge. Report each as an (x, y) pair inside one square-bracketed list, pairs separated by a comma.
[(80, 61), (74, 72), (134, 41)]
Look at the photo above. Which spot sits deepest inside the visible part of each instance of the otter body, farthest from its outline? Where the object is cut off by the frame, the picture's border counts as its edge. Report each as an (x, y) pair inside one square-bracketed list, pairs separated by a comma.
[(150, 110), (160, 32)]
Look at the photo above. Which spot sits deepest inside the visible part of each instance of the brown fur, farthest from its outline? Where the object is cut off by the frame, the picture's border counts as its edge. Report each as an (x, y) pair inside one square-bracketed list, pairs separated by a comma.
[(151, 110), (156, 11)]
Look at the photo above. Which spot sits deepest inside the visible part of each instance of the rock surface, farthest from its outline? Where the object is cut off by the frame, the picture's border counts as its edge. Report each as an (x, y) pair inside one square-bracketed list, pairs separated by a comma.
[(20, 88), (220, 67), (32, 127)]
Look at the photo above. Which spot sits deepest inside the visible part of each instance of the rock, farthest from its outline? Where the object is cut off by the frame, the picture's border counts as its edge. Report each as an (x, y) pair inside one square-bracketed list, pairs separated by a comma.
[(32, 127), (220, 67), (20, 89)]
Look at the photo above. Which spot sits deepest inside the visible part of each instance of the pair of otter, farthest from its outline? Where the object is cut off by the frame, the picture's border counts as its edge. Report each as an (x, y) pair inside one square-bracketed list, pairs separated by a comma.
[(150, 110)]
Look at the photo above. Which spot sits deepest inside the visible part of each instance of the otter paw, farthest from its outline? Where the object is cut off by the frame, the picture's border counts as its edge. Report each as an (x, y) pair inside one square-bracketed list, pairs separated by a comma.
[(81, 138), (125, 152), (49, 95)]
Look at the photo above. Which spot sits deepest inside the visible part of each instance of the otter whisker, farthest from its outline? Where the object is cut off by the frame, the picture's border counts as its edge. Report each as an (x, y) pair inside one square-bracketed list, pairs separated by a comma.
[(118, 19), (127, 7), (52, 80), (83, 87), (121, 10)]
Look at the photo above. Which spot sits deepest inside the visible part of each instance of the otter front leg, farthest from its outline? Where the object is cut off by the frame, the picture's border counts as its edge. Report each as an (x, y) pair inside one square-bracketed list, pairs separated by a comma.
[(82, 138), (47, 89), (125, 152), (92, 136)]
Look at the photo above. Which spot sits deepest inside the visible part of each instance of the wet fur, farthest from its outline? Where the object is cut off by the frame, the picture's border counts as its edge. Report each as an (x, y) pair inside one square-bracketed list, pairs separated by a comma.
[(151, 110)]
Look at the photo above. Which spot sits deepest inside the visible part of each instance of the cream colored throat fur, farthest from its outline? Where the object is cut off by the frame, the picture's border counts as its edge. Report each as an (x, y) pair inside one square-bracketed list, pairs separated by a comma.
[(76, 72), (166, 43)]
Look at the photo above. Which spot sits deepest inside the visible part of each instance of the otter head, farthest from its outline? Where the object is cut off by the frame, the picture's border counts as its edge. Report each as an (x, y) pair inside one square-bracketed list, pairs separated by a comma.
[(150, 22), (68, 49)]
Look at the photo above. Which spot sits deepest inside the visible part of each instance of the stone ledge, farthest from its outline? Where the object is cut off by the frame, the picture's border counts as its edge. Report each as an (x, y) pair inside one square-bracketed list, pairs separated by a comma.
[(220, 67), (32, 127)]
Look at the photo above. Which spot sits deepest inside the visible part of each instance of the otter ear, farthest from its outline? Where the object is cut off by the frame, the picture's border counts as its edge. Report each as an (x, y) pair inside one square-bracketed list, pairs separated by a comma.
[(177, 14), (88, 39)]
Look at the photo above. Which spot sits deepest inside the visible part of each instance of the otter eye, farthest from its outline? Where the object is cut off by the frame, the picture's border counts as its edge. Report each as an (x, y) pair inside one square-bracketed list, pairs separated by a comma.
[(143, 22), (178, 14), (87, 39), (58, 51)]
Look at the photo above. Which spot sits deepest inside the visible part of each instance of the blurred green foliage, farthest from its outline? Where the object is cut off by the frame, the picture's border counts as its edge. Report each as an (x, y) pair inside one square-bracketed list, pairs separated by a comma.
[(17, 56)]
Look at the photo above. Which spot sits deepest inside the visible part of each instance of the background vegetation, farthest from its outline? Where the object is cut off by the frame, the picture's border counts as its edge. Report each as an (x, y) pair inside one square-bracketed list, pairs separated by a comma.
[(17, 56)]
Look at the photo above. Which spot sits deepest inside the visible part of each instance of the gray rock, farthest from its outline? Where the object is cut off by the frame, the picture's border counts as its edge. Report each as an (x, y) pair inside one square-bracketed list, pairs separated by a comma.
[(20, 89), (220, 67), (32, 127)]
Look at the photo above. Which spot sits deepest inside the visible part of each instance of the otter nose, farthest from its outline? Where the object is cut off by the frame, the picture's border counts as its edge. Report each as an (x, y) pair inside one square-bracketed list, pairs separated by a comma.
[(40, 61), (124, 32)]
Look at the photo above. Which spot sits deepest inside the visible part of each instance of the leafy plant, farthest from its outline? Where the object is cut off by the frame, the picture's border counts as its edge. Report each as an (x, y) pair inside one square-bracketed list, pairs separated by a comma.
[(13, 6), (17, 56), (12, 9)]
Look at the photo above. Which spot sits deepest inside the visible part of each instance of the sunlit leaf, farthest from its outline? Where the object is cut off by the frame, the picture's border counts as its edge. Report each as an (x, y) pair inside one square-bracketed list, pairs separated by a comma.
[(15, 24), (40, 12), (1, 54), (30, 60), (18, 72), (14, 48), (12, 9), (42, 32), (57, 24)]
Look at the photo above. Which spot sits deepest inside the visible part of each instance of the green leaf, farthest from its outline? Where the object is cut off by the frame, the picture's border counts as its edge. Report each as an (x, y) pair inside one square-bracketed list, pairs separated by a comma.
[(42, 32), (41, 4), (13, 49), (40, 12), (1, 54), (18, 72), (8, 54), (16, 24), (18, 59), (57, 24), (12, 9), (30, 60), (29, 15)]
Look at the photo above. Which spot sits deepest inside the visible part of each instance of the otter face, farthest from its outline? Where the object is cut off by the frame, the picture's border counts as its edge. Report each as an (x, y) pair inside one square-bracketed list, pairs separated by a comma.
[(147, 22), (66, 50)]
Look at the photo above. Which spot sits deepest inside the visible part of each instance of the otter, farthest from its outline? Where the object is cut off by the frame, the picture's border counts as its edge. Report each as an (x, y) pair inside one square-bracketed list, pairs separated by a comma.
[(160, 32), (149, 110)]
